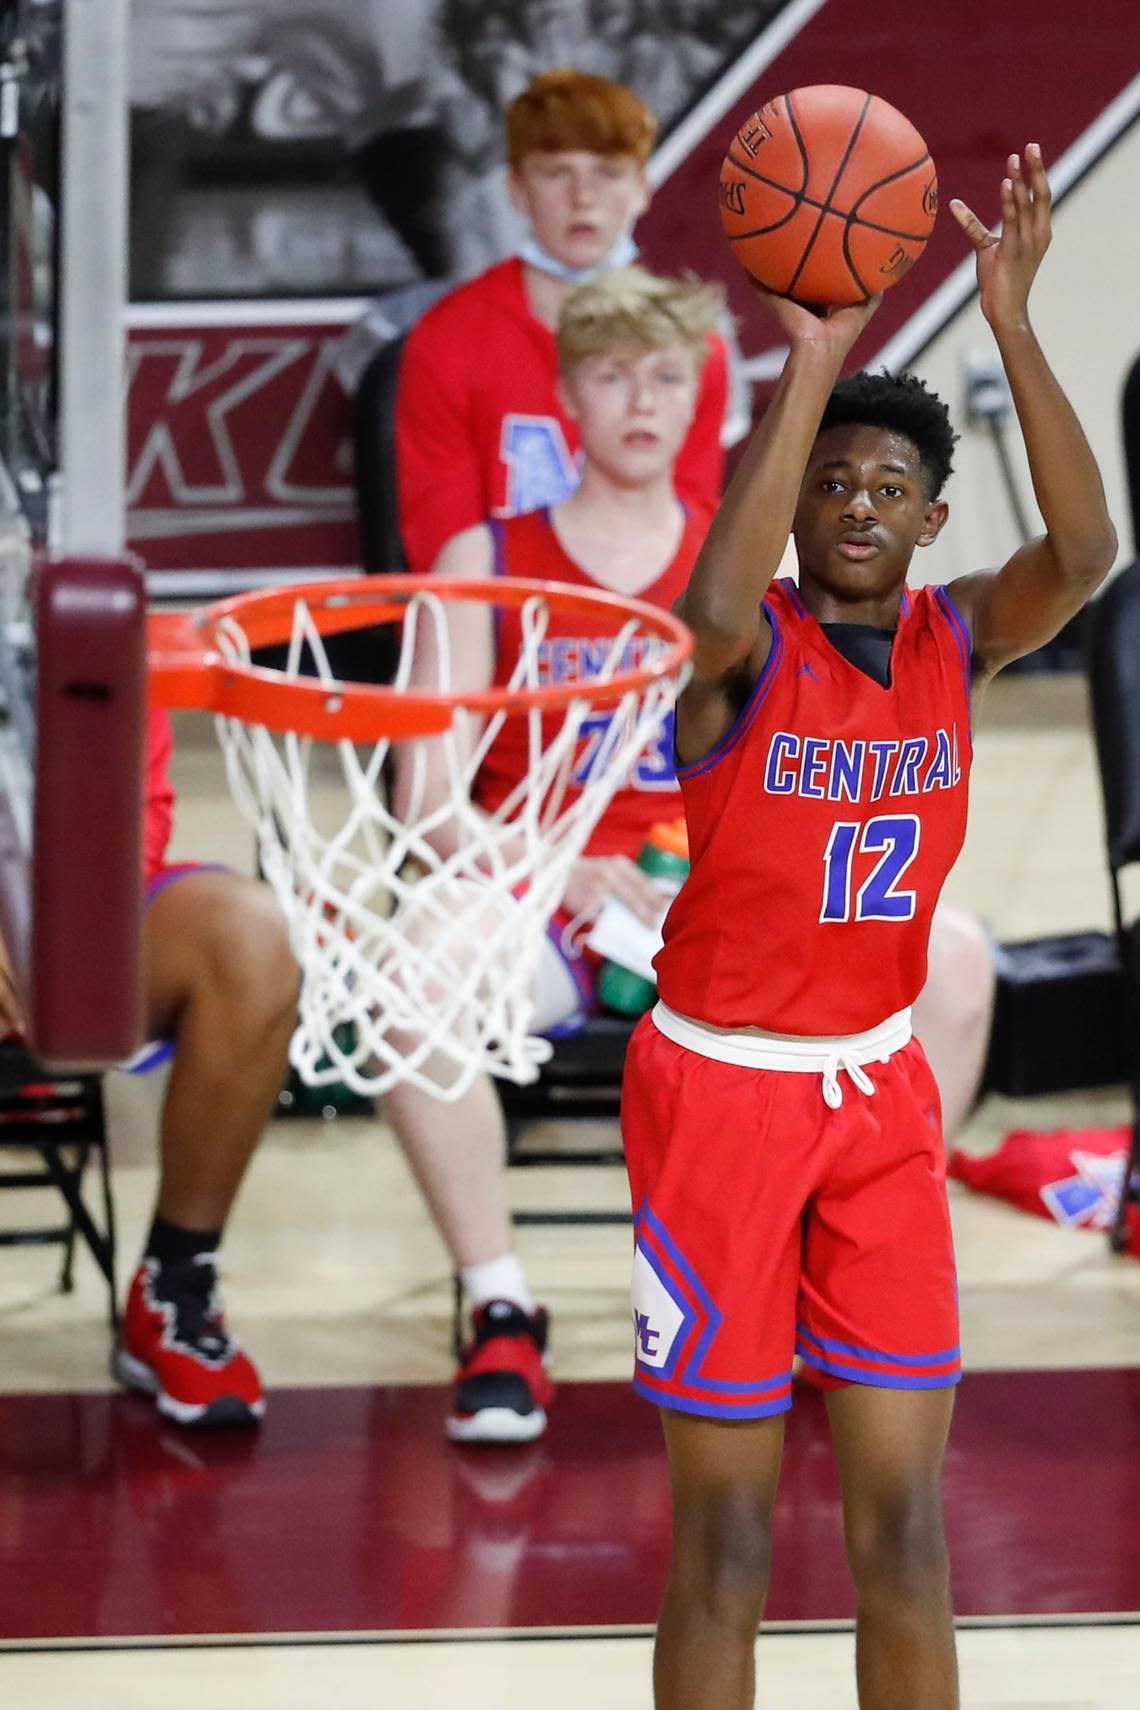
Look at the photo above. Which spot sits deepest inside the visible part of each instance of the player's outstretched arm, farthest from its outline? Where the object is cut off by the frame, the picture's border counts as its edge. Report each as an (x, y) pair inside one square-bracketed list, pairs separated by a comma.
[(1023, 605), (748, 535)]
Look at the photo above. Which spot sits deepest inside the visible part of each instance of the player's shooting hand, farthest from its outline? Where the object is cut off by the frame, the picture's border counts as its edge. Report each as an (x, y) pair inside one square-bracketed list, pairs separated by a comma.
[(1008, 260), (596, 878), (834, 330)]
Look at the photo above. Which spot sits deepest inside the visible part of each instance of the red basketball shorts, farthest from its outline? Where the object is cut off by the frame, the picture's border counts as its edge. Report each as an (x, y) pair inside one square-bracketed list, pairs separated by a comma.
[(769, 1224)]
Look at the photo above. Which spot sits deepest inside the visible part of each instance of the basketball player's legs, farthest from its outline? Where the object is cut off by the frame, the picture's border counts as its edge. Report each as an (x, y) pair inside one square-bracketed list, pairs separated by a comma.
[(457, 1153), (220, 981), (724, 1478), (878, 1325), (890, 1445), (954, 1011)]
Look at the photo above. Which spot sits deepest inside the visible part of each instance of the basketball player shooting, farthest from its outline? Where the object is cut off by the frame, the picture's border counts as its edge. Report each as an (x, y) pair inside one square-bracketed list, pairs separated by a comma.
[(781, 1125)]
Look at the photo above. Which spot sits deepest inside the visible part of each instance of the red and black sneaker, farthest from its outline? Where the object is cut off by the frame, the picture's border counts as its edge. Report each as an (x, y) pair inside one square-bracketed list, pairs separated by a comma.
[(174, 1345), (503, 1388)]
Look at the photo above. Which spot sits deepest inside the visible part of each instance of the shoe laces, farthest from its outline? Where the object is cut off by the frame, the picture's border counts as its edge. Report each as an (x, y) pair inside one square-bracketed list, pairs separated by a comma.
[(506, 1318), (191, 1289)]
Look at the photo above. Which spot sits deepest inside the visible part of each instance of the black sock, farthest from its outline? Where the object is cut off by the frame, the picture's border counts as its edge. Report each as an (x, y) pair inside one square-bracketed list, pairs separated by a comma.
[(170, 1244)]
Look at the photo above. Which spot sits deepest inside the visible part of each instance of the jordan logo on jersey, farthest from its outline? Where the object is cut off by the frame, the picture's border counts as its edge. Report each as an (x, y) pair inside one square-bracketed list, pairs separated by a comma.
[(861, 771)]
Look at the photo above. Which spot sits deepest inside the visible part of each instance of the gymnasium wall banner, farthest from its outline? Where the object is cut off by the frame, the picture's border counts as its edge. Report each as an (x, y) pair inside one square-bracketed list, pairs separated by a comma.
[(333, 146)]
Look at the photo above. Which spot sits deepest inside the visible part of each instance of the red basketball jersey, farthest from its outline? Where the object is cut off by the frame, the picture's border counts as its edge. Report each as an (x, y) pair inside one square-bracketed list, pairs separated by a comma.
[(822, 828), (158, 791), (480, 428), (528, 546)]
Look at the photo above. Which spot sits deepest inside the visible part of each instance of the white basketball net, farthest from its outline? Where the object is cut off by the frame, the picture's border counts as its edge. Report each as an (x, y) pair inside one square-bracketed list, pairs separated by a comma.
[(419, 965)]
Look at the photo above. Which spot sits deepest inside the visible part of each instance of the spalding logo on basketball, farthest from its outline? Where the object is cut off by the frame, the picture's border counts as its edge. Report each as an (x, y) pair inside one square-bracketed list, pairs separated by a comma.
[(828, 195)]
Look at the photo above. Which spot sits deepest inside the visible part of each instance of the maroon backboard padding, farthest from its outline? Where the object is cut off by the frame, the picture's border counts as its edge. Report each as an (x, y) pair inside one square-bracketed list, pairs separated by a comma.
[(87, 829)]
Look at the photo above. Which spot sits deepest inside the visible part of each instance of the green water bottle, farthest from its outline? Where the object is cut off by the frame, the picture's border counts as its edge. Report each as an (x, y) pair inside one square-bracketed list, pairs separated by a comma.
[(665, 857)]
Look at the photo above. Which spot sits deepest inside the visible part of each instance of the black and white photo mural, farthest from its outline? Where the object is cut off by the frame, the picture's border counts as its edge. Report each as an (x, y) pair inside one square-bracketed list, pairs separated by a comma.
[(293, 147)]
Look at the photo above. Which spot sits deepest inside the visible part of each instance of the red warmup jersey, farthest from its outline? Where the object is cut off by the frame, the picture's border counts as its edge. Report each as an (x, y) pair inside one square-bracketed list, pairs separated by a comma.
[(158, 791), (822, 828), (480, 431), (528, 546)]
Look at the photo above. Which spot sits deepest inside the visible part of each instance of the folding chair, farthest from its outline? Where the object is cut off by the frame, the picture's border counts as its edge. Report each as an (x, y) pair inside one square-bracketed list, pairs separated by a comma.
[(1114, 682), (61, 1118), (374, 444)]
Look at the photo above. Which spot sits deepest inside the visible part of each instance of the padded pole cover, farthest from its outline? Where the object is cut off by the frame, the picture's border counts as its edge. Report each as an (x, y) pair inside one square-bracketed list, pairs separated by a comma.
[(85, 1006)]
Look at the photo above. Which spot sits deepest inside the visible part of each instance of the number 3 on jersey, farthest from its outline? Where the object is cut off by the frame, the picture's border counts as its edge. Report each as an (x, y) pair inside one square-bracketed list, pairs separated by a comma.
[(894, 838)]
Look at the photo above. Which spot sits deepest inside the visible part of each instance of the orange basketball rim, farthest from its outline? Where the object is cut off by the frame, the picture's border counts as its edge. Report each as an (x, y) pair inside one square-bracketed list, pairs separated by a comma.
[(192, 663), (418, 923)]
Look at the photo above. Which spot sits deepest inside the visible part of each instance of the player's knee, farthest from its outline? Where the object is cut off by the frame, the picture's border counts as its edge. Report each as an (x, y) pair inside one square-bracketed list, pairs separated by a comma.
[(725, 1554), (964, 956), (898, 1554), (962, 975), (250, 954), (974, 965)]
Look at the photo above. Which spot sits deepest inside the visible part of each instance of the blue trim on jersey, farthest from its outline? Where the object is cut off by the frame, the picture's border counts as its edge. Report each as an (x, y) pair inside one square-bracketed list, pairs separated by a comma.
[(498, 547), (960, 632), (791, 589), (646, 1221), (149, 1056), (752, 706), (713, 1409), (577, 969), (876, 1380), (830, 1346), (713, 1319), (499, 567), (717, 1386), (167, 876)]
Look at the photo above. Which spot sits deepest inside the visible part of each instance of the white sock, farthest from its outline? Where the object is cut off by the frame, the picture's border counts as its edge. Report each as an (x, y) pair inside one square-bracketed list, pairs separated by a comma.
[(498, 1279)]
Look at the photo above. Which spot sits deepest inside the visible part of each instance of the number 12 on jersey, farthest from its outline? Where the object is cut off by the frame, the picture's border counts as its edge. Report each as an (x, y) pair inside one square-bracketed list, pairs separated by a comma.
[(894, 838)]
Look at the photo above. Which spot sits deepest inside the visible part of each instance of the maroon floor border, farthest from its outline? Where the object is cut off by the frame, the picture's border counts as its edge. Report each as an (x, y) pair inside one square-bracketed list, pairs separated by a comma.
[(349, 1513)]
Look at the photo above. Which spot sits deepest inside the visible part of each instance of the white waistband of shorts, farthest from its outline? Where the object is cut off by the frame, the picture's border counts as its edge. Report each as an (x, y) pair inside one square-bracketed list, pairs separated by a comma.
[(794, 1054)]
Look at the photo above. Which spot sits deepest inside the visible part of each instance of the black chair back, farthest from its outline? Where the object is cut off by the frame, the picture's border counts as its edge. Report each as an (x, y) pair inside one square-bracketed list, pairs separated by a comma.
[(374, 445), (1130, 405), (1114, 682)]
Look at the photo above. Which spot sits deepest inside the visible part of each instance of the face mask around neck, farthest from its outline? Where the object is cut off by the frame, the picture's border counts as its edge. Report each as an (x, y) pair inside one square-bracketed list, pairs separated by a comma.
[(532, 253)]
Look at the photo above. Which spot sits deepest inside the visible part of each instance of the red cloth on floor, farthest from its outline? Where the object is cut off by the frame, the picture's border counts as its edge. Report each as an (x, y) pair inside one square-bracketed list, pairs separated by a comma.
[(1071, 1175)]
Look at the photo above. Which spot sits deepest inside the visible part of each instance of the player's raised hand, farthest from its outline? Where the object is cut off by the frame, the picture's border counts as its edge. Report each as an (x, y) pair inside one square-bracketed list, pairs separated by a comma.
[(835, 330), (1008, 260)]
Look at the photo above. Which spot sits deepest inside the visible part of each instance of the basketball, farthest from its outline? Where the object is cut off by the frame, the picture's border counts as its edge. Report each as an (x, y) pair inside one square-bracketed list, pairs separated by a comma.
[(828, 195)]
